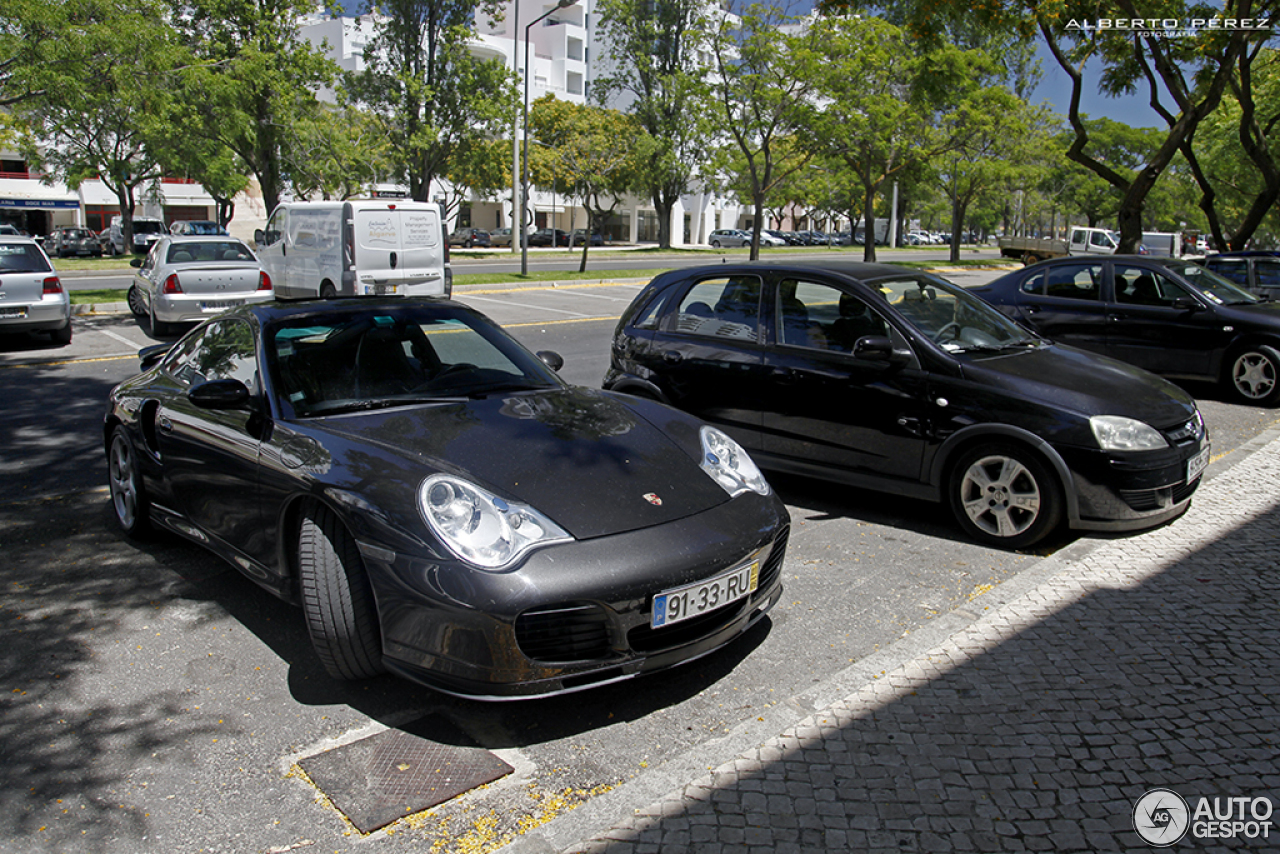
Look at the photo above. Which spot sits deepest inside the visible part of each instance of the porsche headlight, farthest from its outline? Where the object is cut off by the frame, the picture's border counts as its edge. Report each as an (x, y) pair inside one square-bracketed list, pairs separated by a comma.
[(1115, 433), (481, 528), (728, 464)]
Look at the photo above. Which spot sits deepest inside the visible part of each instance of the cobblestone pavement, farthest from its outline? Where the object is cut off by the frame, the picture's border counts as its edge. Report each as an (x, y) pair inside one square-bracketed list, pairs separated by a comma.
[(1149, 662)]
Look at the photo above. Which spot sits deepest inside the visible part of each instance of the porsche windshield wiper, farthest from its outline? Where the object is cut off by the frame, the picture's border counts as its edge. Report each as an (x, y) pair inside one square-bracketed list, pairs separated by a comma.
[(366, 404), (513, 385)]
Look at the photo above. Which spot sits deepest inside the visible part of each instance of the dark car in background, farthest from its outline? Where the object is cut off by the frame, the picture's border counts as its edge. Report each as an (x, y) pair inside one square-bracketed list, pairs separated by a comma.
[(580, 234), (469, 238), (898, 381), (73, 240), (1169, 316), (1257, 271), (548, 237), (440, 503)]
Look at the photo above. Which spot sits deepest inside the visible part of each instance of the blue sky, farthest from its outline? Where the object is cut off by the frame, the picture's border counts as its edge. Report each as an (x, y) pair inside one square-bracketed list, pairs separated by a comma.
[(1055, 88)]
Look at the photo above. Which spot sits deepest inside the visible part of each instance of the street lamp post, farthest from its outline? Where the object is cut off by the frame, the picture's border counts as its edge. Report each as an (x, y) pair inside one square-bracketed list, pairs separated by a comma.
[(516, 204), (524, 171)]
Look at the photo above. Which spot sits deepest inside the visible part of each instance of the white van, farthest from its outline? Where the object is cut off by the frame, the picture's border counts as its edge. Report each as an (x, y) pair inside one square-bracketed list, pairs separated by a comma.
[(146, 231), (359, 247)]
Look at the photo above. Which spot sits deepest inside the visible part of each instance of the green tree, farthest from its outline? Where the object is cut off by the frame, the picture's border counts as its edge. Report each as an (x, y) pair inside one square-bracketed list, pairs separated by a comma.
[(83, 106), (759, 101), (430, 96), (653, 45), (879, 100), (253, 82), (991, 132), (588, 148), (1193, 72)]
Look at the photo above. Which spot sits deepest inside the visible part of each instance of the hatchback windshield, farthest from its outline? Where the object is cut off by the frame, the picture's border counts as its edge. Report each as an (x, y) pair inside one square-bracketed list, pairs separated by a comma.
[(1215, 288), (145, 227), (949, 317), (372, 358)]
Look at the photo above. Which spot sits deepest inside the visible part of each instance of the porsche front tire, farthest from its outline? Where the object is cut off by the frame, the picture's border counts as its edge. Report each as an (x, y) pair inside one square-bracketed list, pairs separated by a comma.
[(337, 598)]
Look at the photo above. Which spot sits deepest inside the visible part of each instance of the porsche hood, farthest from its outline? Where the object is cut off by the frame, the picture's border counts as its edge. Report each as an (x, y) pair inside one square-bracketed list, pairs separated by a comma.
[(585, 458)]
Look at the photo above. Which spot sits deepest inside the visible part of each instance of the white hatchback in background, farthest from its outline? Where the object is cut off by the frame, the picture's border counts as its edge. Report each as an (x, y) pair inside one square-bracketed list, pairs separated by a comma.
[(31, 295), (190, 277)]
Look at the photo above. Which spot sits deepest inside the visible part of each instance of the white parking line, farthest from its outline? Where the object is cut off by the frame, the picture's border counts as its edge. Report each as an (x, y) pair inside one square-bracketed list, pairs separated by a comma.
[(468, 298), (135, 345), (597, 296)]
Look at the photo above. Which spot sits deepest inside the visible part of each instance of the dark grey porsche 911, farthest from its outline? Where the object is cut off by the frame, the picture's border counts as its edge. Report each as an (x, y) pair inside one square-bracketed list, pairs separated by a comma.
[(440, 502)]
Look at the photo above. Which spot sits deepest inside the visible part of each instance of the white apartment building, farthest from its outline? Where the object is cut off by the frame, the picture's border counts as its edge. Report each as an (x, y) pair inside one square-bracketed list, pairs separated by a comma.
[(563, 55)]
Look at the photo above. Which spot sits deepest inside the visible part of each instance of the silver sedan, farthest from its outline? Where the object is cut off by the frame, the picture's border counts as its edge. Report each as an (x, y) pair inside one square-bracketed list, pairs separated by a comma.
[(186, 278)]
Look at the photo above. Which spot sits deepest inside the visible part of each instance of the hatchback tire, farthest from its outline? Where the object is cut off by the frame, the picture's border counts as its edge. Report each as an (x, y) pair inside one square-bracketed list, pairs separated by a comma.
[(1254, 375), (337, 597), (1004, 495), (128, 494), (62, 335)]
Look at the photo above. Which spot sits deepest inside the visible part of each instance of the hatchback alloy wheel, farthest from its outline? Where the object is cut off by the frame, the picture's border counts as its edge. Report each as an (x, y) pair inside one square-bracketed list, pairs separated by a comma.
[(1005, 496), (1255, 375)]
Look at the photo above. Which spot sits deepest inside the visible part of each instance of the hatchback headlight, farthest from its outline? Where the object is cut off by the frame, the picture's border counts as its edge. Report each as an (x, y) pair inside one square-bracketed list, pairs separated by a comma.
[(1115, 433), (481, 528), (728, 464)]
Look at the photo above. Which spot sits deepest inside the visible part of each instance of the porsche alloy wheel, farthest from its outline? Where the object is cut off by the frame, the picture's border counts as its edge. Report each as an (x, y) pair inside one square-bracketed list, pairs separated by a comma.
[(128, 497), (337, 597), (1003, 495)]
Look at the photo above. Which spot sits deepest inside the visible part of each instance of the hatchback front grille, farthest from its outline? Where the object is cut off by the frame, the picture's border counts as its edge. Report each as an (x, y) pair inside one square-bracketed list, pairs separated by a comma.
[(1144, 500)]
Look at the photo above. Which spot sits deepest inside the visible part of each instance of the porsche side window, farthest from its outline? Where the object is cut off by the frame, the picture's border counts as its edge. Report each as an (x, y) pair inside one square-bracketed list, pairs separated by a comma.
[(1074, 281), (226, 350), (723, 307)]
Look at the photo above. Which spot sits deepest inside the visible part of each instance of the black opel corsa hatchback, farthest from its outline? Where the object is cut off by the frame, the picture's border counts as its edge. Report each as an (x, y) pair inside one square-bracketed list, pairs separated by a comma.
[(901, 382), (440, 502)]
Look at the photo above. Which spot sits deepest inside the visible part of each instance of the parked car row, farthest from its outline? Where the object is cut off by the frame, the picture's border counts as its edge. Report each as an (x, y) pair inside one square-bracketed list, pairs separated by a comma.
[(380, 505)]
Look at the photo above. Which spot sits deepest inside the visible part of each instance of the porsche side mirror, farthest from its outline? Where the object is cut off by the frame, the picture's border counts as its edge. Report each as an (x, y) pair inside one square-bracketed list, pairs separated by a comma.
[(221, 394), (551, 359)]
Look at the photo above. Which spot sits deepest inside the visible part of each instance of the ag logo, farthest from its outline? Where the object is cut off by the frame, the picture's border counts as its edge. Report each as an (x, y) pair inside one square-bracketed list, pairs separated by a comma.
[(1161, 817)]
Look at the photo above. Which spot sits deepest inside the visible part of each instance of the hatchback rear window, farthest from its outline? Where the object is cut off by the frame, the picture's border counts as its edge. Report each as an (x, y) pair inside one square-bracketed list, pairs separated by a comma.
[(22, 258)]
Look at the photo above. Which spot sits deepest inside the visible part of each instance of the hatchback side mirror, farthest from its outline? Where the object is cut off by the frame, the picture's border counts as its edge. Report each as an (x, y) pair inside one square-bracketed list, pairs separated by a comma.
[(221, 394), (1188, 304)]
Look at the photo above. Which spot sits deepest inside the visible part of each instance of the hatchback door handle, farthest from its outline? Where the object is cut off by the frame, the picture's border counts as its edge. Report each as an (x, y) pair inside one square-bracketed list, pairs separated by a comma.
[(786, 376)]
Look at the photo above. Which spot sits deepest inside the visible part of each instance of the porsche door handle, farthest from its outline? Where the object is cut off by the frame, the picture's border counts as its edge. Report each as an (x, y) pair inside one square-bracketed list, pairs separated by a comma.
[(672, 356)]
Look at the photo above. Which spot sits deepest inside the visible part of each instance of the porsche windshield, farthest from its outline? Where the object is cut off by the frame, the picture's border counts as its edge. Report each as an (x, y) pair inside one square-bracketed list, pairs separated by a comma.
[(365, 359), (949, 317)]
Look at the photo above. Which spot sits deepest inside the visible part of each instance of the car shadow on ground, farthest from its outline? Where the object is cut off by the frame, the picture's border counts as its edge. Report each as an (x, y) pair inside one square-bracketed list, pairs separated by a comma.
[(818, 500)]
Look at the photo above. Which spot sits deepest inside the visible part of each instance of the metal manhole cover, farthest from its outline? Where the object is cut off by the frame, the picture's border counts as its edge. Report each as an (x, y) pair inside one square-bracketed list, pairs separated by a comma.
[(387, 776)]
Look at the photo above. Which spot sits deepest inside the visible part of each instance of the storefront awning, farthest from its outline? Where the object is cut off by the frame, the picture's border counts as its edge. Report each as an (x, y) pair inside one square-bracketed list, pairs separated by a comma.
[(28, 193)]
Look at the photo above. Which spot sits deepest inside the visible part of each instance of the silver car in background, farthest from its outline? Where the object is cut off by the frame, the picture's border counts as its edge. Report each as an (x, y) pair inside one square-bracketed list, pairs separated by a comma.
[(187, 278), (31, 295)]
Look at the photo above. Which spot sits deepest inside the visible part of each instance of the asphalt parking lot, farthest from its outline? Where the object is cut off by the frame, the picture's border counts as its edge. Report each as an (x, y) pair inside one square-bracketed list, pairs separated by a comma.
[(158, 701)]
